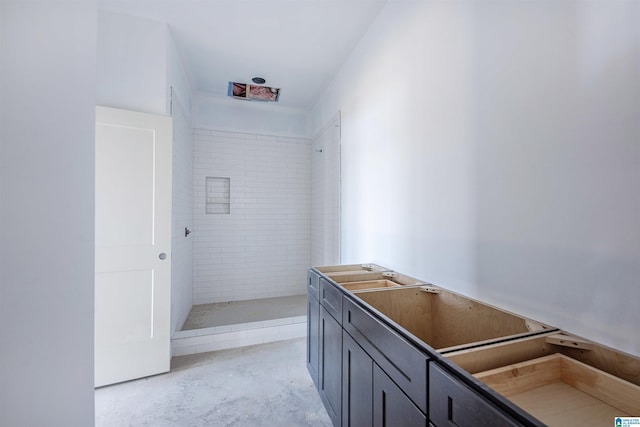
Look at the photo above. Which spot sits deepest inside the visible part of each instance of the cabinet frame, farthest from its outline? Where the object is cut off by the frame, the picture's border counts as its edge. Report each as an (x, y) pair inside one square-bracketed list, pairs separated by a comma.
[(447, 386)]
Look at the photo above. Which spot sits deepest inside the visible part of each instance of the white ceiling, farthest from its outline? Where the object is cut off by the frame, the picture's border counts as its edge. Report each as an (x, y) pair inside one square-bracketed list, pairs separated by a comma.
[(296, 45)]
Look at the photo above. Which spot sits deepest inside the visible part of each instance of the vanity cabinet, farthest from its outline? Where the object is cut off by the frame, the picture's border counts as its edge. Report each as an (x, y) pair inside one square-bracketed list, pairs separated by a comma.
[(357, 384), (331, 299), (313, 325), (393, 351), (313, 337), (313, 284), (370, 397), (401, 360), (557, 378), (452, 403), (391, 407), (330, 365)]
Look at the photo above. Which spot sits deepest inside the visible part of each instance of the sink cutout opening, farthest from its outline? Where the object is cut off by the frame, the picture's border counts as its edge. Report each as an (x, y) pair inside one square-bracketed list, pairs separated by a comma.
[(444, 320)]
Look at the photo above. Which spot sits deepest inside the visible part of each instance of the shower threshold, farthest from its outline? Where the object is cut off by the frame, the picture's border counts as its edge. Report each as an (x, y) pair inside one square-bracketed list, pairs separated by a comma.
[(218, 326)]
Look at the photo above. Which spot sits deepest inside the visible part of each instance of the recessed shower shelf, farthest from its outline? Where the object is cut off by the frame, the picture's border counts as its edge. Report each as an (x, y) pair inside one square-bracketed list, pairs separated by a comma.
[(218, 195)]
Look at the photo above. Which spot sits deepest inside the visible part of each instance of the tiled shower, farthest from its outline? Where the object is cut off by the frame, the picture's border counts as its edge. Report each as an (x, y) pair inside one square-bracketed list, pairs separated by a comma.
[(254, 230), (257, 243)]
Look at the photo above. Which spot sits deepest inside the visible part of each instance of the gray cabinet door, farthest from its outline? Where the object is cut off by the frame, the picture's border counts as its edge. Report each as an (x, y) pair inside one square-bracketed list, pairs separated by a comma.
[(451, 403), (313, 337), (357, 384), (330, 366), (399, 358), (391, 407)]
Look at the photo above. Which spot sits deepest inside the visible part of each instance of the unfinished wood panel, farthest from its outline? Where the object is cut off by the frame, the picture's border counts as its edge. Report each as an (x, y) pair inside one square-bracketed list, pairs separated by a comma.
[(444, 320), (369, 284), (601, 385), (461, 320), (577, 408), (570, 341), (341, 268), (409, 307), (561, 391), (524, 376), (406, 280), (493, 356), (608, 360), (349, 268), (351, 276)]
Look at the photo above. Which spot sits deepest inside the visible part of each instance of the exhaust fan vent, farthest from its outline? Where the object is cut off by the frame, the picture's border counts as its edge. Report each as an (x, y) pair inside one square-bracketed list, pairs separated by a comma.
[(253, 92)]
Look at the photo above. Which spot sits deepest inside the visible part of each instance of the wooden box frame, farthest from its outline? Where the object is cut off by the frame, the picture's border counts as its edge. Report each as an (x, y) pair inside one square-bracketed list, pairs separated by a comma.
[(562, 391)]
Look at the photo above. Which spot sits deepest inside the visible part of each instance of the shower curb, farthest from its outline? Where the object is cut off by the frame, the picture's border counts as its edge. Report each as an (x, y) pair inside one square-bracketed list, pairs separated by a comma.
[(237, 335)]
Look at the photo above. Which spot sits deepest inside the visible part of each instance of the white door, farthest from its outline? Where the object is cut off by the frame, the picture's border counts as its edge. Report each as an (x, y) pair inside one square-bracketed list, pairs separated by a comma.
[(133, 245)]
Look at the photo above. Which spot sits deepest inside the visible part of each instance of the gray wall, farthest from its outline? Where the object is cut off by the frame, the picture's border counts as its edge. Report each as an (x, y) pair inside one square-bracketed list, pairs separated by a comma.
[(47, 99), (494, 148)]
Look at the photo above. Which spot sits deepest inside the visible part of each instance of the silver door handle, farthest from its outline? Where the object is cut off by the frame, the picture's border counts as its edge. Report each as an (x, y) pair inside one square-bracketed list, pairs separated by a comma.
[(162, 255)]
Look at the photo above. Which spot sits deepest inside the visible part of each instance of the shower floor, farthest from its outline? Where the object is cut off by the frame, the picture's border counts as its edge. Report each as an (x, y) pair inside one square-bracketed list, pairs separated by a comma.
[(235, 312)]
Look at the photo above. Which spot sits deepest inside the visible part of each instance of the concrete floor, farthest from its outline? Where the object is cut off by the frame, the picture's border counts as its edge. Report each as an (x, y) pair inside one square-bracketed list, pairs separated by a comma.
[(263, 385), (234, 312)]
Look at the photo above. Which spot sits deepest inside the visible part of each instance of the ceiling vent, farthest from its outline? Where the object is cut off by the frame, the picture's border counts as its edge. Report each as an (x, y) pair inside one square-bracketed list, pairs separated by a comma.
[(251, 92)]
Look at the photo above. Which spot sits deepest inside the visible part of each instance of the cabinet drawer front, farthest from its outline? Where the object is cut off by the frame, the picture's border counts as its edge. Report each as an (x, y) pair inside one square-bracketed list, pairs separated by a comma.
[(404, 364), (313, 283), (452, 403), (331, 299)]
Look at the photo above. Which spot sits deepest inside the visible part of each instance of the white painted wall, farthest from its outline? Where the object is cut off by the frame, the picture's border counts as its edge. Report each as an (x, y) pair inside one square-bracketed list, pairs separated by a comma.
[(140, 69), (182, 217), (178, 81), (261, 248), (132, 63), (325, 195), (236, 115), (180, 95), (47, 107), (494, 148)]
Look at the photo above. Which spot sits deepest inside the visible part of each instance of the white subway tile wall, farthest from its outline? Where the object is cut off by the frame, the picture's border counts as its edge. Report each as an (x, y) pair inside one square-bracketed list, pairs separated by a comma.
[(261, 249), (218, 194)]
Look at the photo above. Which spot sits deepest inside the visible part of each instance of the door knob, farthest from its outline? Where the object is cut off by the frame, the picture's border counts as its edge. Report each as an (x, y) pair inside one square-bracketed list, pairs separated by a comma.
[(162, 255)]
